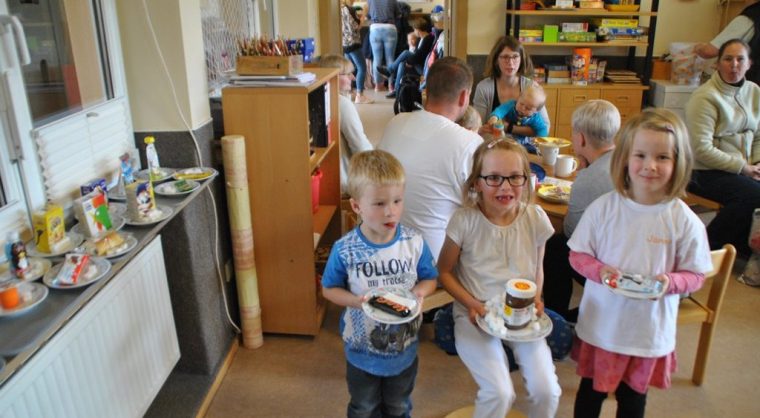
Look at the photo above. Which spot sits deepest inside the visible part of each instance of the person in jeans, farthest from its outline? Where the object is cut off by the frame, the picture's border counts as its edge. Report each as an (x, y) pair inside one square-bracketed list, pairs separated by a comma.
[(410, 62), (352, 47), (382, 35)]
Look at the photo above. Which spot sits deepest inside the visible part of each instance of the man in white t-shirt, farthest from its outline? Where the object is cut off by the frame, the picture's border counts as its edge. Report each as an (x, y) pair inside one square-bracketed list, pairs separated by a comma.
[(436, 152)]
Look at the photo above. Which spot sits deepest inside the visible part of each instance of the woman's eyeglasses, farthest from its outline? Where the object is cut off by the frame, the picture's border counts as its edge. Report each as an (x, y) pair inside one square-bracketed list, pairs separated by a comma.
[(495, 180), (514, 57)]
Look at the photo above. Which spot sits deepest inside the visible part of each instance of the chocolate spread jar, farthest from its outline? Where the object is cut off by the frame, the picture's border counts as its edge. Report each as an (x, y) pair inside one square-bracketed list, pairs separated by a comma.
[(518, 303)]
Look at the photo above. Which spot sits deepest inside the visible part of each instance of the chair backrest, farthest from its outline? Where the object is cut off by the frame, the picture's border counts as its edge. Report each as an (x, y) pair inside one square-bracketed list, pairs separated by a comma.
[(723, 263)]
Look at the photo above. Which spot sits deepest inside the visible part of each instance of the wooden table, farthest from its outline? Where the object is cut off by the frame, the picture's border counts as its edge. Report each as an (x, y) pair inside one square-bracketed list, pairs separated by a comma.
[(556, 211)]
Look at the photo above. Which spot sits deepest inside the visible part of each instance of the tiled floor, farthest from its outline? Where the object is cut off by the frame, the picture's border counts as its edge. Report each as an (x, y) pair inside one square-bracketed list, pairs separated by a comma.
[(305, 377)]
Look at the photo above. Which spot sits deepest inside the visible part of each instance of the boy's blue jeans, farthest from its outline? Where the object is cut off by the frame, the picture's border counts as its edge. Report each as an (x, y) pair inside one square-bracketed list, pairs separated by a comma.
[(377, 396)]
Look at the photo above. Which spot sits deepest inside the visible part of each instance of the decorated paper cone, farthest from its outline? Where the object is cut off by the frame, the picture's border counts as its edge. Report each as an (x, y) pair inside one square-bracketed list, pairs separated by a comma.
[(233, 151)]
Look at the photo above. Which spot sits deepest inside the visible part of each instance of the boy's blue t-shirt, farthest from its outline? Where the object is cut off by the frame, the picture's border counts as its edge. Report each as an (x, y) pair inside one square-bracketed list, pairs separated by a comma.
[(506, 111), (358, 265)]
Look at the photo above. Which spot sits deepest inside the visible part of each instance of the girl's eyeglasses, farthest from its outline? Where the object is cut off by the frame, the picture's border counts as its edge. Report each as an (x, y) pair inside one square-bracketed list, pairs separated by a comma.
[(495, 180)]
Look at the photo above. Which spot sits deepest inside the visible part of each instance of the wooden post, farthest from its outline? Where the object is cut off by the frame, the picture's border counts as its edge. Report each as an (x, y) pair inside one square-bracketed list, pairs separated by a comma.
[(233, 152)]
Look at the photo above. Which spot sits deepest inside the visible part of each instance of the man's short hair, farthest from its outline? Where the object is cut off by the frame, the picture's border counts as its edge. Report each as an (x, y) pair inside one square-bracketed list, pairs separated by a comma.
[(598, 120), (446, 78)]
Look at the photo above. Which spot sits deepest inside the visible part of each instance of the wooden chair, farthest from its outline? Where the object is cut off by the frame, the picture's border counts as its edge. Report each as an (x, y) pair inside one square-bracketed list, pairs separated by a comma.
[(695, 309), (694, 200), (436, 299)]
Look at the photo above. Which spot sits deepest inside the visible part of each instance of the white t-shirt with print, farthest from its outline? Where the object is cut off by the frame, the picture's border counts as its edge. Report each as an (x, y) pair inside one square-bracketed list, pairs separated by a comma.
[(639, 239), (491, 255)]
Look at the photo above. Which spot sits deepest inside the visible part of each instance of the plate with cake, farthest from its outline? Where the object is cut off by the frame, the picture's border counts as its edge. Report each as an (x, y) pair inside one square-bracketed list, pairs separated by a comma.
[(635, 286), (195, 173), (554, 193), (112, 245), (162, 174), (391, 305), (26, 296), (559, 142), (70, 241), (77, 270), (177, 187)]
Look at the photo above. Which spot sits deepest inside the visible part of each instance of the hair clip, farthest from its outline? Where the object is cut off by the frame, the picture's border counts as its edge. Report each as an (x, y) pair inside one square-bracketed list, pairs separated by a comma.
[(668, 127), (493, 143)]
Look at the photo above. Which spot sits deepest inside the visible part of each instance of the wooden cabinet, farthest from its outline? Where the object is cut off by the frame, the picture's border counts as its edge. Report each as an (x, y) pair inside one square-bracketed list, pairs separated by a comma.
[(563, 99), (277, 123), (627, 98)]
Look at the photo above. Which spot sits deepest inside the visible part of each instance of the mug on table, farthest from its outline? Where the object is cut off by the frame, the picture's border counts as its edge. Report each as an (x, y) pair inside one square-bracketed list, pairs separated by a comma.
[(565, 165), (549, 153)]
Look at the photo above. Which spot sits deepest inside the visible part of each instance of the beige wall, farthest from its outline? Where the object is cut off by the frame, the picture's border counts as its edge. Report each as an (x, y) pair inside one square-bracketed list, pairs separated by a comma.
[(177, 24), (298, 19), (678, 21)]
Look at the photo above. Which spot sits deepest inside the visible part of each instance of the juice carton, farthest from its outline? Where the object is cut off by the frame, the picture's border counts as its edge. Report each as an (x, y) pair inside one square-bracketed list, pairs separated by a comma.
[(92, 185), (49, 228), (92, 212)]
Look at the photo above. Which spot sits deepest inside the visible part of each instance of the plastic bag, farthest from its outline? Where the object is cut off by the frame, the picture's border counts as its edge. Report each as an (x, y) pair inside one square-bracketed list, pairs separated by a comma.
[(684, 68)]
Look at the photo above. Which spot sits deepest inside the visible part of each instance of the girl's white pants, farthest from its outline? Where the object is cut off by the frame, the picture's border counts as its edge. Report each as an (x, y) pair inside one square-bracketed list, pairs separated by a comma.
[(484, 356)]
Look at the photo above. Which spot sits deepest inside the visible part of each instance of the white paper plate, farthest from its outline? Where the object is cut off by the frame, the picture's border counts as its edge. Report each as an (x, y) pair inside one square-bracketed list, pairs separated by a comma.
[(607, 280), (165, 174), (117, 222), (195, 173), (74, 240), (169, 188), (388, 318), (554, 194), (36, 293), (531, 332), (166, 212), (130, 242), (102, 267)]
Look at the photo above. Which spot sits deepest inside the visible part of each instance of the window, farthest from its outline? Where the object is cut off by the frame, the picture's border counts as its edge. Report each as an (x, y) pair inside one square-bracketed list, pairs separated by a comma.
[(67, 110)]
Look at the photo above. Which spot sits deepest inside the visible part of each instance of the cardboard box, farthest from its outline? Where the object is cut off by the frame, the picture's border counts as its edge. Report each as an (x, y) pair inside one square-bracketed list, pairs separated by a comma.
[(270, 65), (49, 228), (551, 33)]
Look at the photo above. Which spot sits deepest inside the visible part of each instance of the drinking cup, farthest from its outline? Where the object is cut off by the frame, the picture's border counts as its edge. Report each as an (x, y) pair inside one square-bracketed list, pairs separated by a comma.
[(565, 165), (548, 153), (533, 181)]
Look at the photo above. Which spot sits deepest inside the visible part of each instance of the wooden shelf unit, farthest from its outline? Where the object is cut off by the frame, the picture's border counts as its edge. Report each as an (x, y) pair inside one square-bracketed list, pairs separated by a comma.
[(275, 122), (562, 99)]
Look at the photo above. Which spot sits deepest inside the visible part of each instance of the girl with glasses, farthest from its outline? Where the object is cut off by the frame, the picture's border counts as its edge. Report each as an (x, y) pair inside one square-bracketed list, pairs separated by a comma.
[(508, 73), (497, 236)]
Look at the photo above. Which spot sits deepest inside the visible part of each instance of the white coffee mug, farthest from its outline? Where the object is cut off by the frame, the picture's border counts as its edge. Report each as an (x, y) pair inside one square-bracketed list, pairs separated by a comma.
[(565, 166), (548, 153)]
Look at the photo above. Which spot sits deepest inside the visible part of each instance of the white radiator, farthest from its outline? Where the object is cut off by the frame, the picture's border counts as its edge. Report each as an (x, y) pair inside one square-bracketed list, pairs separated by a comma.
[(113, 356)]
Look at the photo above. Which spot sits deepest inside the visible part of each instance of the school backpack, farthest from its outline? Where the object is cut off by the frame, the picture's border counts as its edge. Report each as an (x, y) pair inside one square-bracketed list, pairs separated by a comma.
[(408, 96)]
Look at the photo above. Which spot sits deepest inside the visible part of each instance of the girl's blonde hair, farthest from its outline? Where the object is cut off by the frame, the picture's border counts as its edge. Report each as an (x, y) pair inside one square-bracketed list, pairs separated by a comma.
[(373, 168), (471, 198), (658, 120)]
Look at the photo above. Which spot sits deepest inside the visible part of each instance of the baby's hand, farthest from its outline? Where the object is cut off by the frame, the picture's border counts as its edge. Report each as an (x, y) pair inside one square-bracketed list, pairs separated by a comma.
[(492, 120)]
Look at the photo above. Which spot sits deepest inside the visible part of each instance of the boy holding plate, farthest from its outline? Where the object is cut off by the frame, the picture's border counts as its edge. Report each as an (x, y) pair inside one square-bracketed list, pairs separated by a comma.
[(377, 256)]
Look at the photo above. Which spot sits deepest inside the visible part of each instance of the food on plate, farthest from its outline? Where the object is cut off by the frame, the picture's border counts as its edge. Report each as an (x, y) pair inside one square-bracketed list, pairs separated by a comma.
[(197, 173), (635, 283), (393, 304), (9, 296), (111, 243), (181, 186), (72, 268)]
